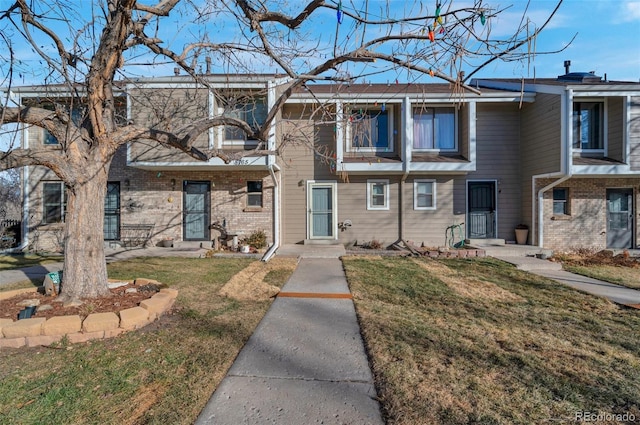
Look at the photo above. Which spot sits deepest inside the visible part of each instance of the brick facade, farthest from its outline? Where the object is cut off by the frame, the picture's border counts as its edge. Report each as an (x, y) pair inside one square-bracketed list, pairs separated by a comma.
[(156, 197), (586, 224)]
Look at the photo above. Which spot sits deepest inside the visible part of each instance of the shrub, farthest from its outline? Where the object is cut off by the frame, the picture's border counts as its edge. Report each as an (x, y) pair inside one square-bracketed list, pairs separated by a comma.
[(257, 239)]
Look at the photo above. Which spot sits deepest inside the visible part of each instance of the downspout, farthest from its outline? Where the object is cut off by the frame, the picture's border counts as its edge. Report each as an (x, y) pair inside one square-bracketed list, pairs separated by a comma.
[(276, 214), (407, 142), (25, 211), (25, 194), (271, 96), (566, 133)]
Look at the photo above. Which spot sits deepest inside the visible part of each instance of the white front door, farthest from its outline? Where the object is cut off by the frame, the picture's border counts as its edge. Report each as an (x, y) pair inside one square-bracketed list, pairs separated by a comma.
[(321, 206)]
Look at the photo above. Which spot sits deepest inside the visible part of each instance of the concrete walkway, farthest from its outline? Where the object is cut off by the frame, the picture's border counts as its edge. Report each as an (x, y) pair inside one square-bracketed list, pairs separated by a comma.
[(520, 257), (305, 362)]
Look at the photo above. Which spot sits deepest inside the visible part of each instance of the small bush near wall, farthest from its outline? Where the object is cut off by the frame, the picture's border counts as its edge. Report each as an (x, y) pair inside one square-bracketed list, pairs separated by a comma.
[(257, 239)]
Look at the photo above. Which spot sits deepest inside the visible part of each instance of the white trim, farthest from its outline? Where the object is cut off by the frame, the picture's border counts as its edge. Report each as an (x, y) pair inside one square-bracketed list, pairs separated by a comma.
[(340, 135), (416, 182), (604, 124), (456, 126), (366, 107), (334, 211), (211, 131), (370, 206)]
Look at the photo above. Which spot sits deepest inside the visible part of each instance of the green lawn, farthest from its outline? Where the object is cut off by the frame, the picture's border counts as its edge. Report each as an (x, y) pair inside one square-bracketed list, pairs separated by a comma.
[(162, 374), (477, 341)]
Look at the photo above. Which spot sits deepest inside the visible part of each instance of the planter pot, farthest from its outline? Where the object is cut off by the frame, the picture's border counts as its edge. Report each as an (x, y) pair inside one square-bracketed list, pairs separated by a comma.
[(244, 249), (167, 243), (521, 236)]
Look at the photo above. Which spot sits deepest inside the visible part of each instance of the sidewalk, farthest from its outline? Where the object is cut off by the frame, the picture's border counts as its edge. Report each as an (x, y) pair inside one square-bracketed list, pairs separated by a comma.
[(305, 362), (615, 293)]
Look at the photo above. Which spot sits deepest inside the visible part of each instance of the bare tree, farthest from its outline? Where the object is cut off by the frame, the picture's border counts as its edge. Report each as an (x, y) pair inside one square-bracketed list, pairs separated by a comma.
[(91, 51)]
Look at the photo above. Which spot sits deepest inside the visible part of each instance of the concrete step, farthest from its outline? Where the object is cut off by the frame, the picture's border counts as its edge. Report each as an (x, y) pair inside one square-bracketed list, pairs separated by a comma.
[(321, 242), (479, 243), (192, 244)]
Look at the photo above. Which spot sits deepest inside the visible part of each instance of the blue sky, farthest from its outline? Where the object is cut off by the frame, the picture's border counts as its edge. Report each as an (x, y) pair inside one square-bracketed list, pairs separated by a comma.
[(607, 36), (607, 41)]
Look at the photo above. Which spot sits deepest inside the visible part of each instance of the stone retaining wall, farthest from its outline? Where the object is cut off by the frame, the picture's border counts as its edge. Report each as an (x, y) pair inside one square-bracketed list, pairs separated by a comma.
[(40, 331)]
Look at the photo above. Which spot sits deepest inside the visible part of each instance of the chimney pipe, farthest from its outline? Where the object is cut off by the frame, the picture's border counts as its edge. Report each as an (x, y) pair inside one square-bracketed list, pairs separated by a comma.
[(208, 61), (176, 71), (567, 64)]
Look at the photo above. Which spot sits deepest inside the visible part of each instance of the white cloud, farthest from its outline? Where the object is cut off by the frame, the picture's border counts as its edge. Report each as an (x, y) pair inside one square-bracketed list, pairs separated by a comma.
[(631, 11)]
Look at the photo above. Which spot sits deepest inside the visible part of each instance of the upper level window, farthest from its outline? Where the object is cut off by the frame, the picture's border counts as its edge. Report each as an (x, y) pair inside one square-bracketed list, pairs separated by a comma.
[(371, 129), (54, 201), (251, 109), (588, 118), (377, 194), (434, 129), (76, 118)]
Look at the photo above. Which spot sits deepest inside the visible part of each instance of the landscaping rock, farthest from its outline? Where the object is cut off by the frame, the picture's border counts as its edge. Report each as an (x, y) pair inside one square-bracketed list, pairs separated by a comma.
[(23, 328), (100, 322), (73, 303), (32, 302)]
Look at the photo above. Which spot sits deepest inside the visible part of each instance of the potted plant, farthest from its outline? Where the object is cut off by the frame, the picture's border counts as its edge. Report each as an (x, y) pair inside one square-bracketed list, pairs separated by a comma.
[(167, 242), (522, 233)]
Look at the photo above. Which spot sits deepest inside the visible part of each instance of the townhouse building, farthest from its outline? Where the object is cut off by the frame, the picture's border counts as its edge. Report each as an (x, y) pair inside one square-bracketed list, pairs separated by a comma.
[(356, 163)]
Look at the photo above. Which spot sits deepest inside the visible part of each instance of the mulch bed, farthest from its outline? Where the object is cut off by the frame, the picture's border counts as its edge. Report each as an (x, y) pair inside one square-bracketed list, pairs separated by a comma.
[(118, 300)]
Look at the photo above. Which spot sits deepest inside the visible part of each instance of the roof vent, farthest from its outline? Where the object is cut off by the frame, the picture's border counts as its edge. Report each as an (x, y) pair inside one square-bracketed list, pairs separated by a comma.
[(578, 77)]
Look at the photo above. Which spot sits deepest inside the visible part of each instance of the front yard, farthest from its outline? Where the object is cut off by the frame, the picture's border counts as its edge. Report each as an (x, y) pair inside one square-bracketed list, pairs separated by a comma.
[(477, 341), (450, 342), (163, 373)]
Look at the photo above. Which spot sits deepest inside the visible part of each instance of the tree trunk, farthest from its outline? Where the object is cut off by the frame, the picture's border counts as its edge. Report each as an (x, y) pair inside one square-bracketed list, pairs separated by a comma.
[(85, 268)]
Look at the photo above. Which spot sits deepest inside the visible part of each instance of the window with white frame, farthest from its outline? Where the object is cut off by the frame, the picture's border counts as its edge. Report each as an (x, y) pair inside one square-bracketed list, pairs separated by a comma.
[(54, 202), (371, 129), (434, 128), (377, 194), (251, 109), (424, 194), (588, 126), (254, 194)]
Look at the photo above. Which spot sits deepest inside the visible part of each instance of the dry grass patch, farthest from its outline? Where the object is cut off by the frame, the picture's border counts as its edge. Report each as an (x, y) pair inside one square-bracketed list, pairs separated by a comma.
[(250, 284), (161, 374), (443, 355), (621, 269), (466, 286)]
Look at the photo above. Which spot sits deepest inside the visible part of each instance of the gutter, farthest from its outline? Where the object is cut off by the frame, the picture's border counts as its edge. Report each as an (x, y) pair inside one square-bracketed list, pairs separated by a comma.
[(276, 214), (566, 133)]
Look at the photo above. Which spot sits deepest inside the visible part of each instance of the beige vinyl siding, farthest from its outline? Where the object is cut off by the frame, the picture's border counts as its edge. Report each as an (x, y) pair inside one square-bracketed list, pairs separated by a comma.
[(299, 165), (540, 147), (634, 134), (428, 226), (167, 109), (615, 142), (463, 130), (368, 225), (498, 158), (541, 134)]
